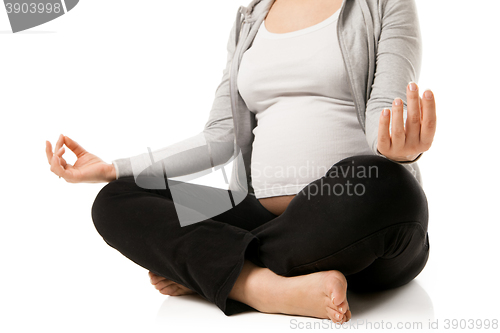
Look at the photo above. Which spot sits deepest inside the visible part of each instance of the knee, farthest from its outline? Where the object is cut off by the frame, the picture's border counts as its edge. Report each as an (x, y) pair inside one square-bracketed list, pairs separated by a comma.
[(372, 167), (106, 205), (381, 187)]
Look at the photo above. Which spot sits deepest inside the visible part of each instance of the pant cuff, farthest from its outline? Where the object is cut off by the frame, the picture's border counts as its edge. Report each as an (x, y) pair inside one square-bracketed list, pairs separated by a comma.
[(229, 306)]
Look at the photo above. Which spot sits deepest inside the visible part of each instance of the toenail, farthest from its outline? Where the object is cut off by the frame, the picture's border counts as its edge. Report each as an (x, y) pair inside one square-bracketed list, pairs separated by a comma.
[(340, 309), (338, 316)]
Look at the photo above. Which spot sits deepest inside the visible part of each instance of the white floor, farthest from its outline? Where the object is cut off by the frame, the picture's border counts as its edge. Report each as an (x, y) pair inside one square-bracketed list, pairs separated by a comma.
[(409, 304), (110, 67)]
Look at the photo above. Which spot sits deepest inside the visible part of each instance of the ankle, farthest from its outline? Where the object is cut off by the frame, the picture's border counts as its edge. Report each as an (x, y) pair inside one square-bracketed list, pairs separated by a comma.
[(263, 289), (257, 287)]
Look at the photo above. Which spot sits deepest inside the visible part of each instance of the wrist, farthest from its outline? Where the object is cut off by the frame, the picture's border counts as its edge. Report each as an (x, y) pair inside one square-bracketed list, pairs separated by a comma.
[(110, 172), (405, 159)]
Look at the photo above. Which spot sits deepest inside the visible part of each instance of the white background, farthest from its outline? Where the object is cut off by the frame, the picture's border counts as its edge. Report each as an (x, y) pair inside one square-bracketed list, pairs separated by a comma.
[(110, 68)]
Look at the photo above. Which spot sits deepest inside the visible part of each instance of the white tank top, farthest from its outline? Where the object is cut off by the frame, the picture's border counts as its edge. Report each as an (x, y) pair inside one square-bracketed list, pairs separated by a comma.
[(297, 86)]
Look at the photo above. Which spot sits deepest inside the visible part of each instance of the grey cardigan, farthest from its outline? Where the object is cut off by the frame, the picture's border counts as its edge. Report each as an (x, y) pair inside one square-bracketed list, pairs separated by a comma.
[(381, 47)]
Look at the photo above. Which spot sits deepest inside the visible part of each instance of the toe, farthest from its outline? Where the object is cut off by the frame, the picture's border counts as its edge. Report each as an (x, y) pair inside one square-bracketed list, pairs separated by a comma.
[(338, 288), (162, 284), (343, 307), (338, 294), (348, 315), (335, 316), (176, 290), (185, 290), (157, 279), (171, 290)]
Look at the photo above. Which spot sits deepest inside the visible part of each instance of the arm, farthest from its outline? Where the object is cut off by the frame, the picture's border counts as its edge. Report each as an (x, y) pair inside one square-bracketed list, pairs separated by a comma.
[(213, 146), (399, 58)]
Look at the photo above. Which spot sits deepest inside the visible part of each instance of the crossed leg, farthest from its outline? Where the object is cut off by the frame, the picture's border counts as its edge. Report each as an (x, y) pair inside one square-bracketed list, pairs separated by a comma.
[(373, 241)]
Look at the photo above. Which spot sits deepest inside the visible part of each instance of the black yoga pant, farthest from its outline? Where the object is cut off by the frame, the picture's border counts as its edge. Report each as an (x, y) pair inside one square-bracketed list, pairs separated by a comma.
[(376, 236)]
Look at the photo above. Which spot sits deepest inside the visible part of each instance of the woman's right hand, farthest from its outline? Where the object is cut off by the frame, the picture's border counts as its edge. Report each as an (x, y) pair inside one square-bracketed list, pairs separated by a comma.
[(87, 169)]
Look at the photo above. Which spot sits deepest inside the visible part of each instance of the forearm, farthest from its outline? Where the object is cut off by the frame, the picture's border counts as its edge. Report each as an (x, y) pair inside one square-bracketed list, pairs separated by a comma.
[(182, 158), (399, 60)]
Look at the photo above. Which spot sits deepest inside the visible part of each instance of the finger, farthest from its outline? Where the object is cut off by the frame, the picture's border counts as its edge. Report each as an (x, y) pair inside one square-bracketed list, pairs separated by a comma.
[(56, 167), (48, 150), (59, 143), (429, 120), (421, 110), (384, 137), (59, 153), (413, 115), (74, 146), (397, 130)]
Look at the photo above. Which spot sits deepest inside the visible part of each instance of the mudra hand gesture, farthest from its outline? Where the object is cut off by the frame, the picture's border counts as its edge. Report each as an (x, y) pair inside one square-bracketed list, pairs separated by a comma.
[(405, 143), (88, 168)]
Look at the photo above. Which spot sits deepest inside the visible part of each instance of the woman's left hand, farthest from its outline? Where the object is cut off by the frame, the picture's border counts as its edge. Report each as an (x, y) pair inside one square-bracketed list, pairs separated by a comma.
[(405, 144)]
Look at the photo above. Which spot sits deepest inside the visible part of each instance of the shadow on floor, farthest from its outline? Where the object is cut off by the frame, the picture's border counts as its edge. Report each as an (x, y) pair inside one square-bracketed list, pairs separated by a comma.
[(409, 303)]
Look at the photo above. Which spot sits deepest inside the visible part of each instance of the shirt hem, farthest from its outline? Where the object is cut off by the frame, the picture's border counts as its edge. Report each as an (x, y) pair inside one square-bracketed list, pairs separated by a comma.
[(278, 191)]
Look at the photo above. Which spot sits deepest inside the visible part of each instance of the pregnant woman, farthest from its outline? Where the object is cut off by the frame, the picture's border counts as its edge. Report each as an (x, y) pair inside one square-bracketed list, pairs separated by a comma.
[(319, 112)]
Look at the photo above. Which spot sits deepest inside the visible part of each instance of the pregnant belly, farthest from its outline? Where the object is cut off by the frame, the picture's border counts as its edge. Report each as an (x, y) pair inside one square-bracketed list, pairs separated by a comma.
[(276, 205)]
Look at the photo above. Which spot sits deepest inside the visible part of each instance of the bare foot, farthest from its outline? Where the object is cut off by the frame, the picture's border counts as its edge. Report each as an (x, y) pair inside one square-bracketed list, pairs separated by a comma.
[(167, 287), (319, 295)]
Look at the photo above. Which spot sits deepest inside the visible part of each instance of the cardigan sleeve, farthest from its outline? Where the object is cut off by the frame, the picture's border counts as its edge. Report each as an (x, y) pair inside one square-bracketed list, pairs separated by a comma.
[(214, 145), (398, 62)]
